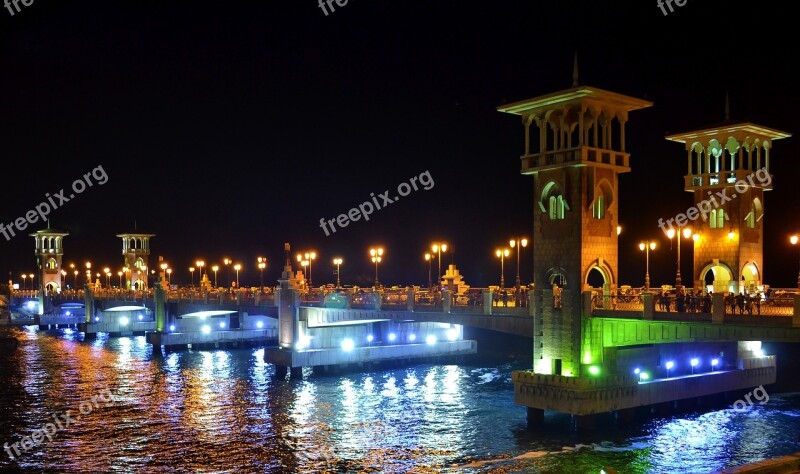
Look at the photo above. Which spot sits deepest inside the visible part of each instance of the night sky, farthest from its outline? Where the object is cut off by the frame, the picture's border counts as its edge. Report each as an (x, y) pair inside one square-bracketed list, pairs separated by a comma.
[(229, 128)]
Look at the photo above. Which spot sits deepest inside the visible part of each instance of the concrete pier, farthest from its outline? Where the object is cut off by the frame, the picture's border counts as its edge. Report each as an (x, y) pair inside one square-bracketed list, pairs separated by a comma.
[(338, 356)]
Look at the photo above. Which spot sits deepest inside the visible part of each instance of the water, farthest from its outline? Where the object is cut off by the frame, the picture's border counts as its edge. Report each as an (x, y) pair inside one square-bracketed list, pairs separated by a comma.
[(224, 411)]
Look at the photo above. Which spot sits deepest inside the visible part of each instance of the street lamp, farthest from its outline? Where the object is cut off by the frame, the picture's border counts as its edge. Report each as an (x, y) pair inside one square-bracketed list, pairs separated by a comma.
[(686, 232), (522, 243), (169, 276), (338, 261), (108, 277), (502, 254), (429, 259), (308, 257), (619, 229), (216, 269), (237, 267), (24, 279), (164, 267), (262, 264), (200, 264), (119, 274), (191, 270), (304, 264), (76, 278), (376, 254), (227, 263), (30, 275), (794, 240), (438, 249), (647, 247)]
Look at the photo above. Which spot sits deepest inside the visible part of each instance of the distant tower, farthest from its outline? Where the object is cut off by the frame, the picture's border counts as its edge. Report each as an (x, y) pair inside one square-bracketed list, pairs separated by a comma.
[(135, 251), (49, 252), (729, 159), (574, 159)]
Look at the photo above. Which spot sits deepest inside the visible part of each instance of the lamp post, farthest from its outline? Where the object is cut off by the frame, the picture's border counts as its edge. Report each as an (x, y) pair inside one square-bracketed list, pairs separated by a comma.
[(64, 276), (164, 267), (169, 276), (376, 254), (647, 247), (119, 274), (429, 259), (438, 249), (200, 264), (237, 267), (24, 279), (308, 257), (686, 232), (30, 275), (502, 254), (262, 264), (794, 240), (191, 270), (227, 262), (76, 278), (216, 269), (338, 261), (518, 243), (107, 271)]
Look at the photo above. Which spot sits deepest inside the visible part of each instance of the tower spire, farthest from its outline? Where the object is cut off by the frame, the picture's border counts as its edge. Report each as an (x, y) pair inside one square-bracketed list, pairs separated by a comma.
[(727, 106), (575, 71)]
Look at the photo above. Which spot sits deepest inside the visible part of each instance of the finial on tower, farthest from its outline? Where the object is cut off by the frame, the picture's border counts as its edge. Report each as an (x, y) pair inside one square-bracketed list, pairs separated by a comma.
[(575, 71), (727, 107)]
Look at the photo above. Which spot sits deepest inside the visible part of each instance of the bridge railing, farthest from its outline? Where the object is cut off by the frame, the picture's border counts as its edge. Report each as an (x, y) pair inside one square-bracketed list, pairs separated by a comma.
[(426, 300), (780, 306), (394, 299)]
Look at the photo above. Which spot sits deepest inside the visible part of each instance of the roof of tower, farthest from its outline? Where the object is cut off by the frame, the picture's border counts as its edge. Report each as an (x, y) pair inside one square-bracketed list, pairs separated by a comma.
[(730, 128), (50, 231), (135, 234), (576, 95)]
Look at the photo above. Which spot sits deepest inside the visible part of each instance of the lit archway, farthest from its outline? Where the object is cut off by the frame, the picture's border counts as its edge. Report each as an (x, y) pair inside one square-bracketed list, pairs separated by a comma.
[(52, 288), (718, 277), (556, 276), (750, 276)]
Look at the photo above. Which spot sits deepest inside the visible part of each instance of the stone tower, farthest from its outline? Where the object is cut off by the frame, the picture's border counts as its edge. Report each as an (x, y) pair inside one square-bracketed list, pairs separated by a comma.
[(49, 252), (574, 153), (727, 172), (135, 252)]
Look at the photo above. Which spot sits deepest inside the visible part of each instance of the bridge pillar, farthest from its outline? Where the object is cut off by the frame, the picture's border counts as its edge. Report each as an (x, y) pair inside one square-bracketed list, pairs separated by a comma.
[(532, 302), (796, 314), (376, 295), (717, 308), (648, 305), (287, 300), (447, 300), (348, 298), (257, 296), (160, 301), (410, 299), (88, 302), (488, 298)]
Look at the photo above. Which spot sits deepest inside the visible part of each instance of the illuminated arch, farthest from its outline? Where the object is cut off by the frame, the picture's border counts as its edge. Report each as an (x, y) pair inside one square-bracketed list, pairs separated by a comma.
[(722, 277), (556, 276)]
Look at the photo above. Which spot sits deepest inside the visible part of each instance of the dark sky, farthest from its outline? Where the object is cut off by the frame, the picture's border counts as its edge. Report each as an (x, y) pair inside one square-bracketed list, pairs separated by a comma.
[(228, 128)]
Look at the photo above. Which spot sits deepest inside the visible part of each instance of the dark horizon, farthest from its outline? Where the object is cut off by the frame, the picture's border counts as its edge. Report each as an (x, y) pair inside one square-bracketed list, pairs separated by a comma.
[(301, 116)]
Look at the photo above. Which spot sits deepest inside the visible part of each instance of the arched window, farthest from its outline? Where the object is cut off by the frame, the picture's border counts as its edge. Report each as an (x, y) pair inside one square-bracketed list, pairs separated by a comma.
[(51, 264), (599, 208), (553, 202), (756, 212), (713, 221), (720, 219), (556, 207)]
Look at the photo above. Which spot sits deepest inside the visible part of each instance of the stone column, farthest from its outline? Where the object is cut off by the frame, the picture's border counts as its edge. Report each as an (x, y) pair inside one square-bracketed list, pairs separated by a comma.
[(410, 299), (796, 314), (376, 295), (718, 308), (287, 299), (447, 300), (649, 306), (487, 301), (160, 301)]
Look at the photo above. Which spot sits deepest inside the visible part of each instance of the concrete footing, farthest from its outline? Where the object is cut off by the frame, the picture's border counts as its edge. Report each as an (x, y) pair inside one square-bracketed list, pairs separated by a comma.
[(360, 356)]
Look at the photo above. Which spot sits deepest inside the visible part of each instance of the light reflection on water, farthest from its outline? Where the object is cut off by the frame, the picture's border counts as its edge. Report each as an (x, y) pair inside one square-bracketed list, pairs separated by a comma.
[(225, 411)]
